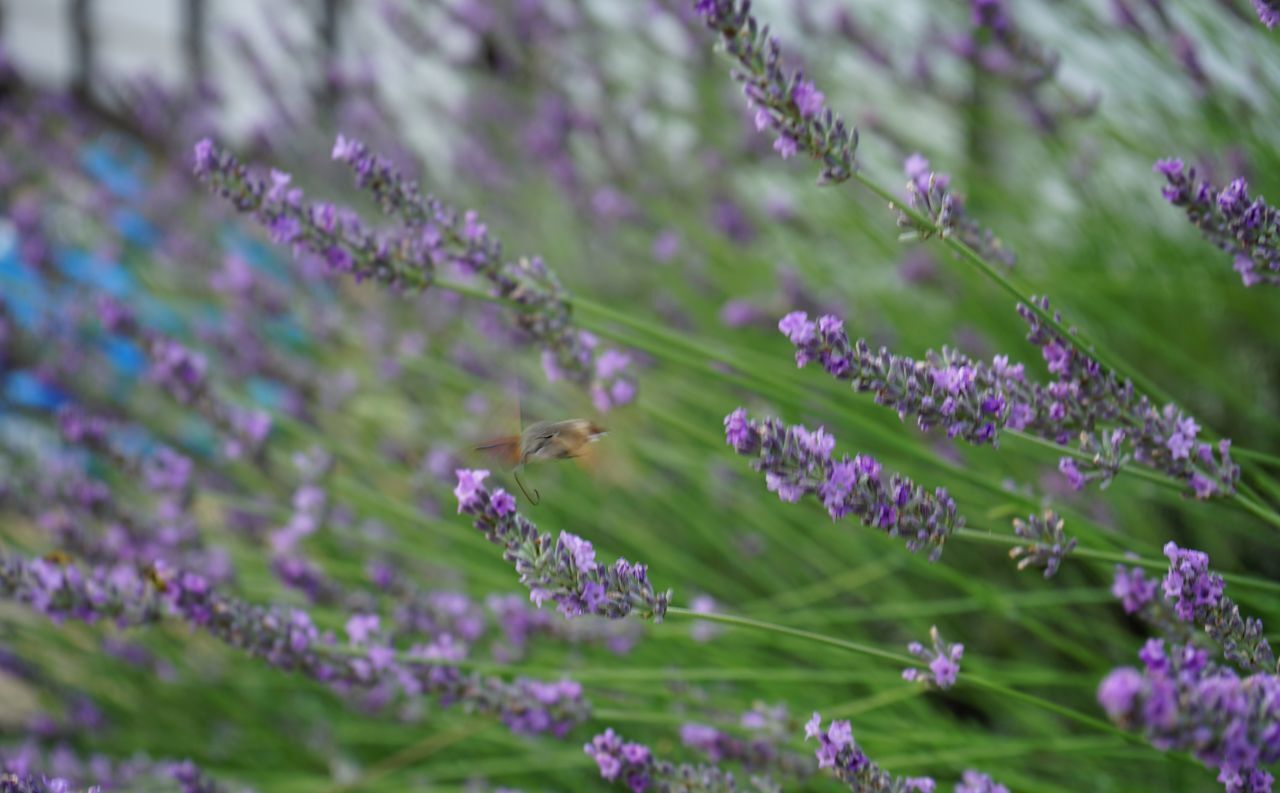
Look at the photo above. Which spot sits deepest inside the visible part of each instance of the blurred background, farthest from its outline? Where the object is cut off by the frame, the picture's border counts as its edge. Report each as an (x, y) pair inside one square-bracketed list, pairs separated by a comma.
[(609, 139)]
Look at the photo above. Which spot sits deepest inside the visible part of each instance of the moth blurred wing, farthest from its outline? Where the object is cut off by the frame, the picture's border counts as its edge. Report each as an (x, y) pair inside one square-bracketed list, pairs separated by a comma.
[(504, 451), (502, 416)]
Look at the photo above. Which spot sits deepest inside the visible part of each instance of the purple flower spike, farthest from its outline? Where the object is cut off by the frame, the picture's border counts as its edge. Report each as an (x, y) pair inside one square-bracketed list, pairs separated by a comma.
[(1268, 12), (1198, 596), (972, 781), (1182, 702), (783, 100), (634, 765), (797, 462), (1247, 229), (285, 638), (975, 401), (838, 751), (564, 570), (429, 236), (1133, 589), (927, 194)]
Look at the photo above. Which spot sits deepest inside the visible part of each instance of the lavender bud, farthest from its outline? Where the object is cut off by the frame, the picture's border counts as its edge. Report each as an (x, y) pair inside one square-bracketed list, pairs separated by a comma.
[(1049, 544), (927, 194)]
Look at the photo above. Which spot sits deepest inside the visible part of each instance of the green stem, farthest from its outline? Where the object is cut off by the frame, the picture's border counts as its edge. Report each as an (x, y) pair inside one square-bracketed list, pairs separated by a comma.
[(980, 535), (747, 622)]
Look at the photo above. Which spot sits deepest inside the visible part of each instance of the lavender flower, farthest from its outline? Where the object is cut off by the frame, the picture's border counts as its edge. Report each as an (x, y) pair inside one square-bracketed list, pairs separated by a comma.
[(162, 469), (634, 765), (431, 234), (286, 639), (1197, 596), (1182, 702), (520, 622), (972, 781), (927, 194), (183, 375), (1048, 542), (999, 47), (838, 751), (1248, 229), (758, 753), (975, 400), (62, 592), (942, 659), (1268, 12), (72, 772), (784, 101), (564, 570), (13, 783), (797, 462), (1133, 589)]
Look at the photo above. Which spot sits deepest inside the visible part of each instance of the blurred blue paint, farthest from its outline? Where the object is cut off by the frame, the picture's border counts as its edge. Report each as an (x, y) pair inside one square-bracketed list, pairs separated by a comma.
[(135, 228), (267, 393), (25, 296), (25, 389), (86, 268), (126, 356), (103, 163)]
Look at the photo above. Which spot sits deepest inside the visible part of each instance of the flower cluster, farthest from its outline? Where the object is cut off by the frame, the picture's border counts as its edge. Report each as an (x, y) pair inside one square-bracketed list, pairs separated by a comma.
[(942, 659), (756, 753), (284, 638), (1246, 228), (975, 400), (972, 781), (1116, 424), (784, 101), (1181, 699), (430, 234), (61, 591), (838, 751), (944, 213), (25, 761), (1048, 543), (563, 570), (1133, 589), (1268, 12), (634, 765), (1000, 47), (1197, 596), (1182, 702), (182, 374), (310, 503), (13, 783), (797, 462), (161, 468), (520, 622)]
